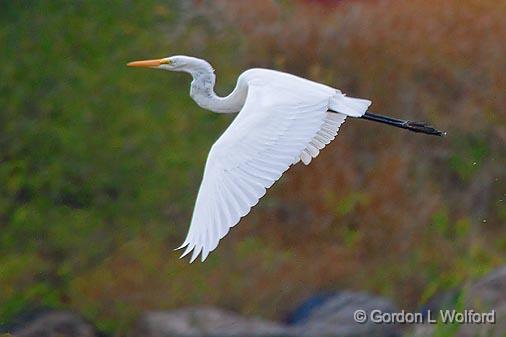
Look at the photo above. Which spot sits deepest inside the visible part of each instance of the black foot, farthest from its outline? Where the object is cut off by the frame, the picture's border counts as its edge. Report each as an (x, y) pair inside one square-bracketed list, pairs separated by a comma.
[(408, 125), (423, 128)]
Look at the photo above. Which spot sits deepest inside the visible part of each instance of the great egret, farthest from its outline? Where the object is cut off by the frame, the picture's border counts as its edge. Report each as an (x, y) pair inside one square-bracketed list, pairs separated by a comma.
[(282, 119)]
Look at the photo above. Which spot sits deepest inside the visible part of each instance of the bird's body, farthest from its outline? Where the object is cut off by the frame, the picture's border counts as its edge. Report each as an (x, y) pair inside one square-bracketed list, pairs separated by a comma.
[(282, 119)]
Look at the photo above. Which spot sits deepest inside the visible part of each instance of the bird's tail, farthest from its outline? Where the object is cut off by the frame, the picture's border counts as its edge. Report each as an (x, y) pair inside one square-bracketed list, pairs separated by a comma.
[(355, 107)]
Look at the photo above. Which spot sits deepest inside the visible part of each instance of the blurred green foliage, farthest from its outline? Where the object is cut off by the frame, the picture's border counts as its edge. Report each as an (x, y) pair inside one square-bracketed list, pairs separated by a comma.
[(100, 164), (92, 152), (469, 155)]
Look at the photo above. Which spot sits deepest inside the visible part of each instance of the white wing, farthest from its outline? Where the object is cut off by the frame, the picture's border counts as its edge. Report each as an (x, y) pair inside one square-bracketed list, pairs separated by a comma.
[(282, 120), (325, 135)]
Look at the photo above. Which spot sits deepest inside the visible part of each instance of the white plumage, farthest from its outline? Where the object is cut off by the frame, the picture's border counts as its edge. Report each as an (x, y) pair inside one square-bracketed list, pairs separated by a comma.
[(283, 119)]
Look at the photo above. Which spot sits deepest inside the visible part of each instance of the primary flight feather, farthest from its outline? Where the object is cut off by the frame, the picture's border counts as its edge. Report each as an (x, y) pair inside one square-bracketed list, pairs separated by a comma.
[(282, 119)]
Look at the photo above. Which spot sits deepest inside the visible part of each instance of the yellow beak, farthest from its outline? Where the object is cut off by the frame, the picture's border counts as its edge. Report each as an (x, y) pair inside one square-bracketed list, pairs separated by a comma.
[(146, 63)]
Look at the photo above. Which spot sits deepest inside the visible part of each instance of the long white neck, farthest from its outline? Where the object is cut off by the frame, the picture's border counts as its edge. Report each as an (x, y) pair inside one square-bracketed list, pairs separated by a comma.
[(202, 91)]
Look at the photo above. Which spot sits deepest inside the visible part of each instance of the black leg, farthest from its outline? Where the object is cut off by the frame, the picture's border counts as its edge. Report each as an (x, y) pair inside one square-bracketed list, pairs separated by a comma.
[(408, 125)]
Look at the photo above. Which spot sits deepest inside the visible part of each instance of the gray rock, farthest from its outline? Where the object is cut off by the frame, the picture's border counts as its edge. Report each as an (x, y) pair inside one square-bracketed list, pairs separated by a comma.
[(55, 323), (204, 321), (335, 317), (485, 295), (442, 300)]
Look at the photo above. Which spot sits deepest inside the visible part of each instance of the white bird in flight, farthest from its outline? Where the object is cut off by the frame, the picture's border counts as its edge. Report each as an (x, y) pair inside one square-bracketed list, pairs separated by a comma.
[(283, 119)]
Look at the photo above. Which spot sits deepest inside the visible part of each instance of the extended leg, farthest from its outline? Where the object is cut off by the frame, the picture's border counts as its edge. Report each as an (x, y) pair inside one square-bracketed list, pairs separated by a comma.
[(408, 125)]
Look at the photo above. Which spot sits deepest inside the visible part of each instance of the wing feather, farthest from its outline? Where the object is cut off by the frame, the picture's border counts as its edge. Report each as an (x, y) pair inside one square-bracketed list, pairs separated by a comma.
[(274, 126), (324, 136)]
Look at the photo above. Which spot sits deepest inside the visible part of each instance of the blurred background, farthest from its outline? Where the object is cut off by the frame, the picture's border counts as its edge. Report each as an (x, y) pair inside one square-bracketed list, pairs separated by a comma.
[(100, 163)]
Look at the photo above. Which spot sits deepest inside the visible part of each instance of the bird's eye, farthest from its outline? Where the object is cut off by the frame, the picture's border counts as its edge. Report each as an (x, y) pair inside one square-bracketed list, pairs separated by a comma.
[(167, 61)]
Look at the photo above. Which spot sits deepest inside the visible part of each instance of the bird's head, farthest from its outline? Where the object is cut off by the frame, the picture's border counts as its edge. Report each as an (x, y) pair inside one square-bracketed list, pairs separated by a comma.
[(174, 63)]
